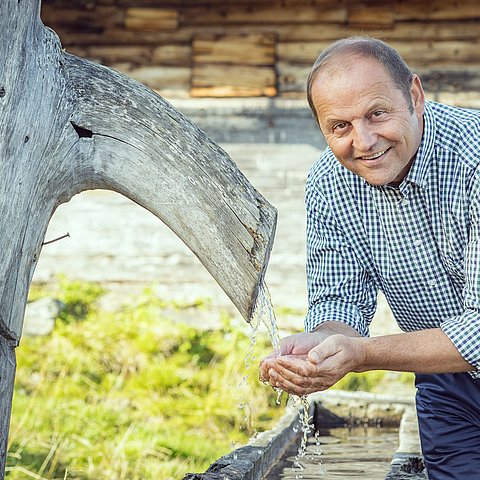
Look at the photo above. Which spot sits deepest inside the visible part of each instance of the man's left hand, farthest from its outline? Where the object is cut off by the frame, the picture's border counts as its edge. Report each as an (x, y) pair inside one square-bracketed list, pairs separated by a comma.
[(324, 366)]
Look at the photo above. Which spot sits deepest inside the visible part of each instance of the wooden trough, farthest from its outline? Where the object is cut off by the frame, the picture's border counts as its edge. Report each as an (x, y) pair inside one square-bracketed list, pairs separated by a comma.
[(268, 456)]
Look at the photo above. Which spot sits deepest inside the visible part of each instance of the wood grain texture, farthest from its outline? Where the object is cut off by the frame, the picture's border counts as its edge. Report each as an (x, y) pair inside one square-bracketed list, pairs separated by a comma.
[(146, 19), (233, 81), (71, 125), (7, 377), (241, 49)]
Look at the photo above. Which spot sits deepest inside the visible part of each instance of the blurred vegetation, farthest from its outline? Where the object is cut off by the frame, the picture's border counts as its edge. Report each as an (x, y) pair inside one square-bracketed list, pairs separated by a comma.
[(134, 394)]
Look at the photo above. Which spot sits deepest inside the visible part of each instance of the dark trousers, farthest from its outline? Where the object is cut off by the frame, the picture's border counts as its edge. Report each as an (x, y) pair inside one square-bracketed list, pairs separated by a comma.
[(448, 409)]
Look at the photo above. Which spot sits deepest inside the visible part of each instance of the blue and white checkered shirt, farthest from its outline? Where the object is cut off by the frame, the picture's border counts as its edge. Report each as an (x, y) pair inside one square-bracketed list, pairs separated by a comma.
[(419, 243)]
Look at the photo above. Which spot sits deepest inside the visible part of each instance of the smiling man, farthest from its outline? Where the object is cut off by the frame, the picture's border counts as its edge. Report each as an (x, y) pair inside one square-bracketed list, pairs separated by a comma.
[(393, 204)]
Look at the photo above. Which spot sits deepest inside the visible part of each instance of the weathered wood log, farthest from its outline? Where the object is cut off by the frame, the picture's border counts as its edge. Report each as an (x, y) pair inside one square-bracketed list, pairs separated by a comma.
[(436, 10), (7, 377), (371, 15), (151, 19), (233, 81), (233, 14), (243, 49), (411, 31), (416, 53), (158, 77), (69, 125)]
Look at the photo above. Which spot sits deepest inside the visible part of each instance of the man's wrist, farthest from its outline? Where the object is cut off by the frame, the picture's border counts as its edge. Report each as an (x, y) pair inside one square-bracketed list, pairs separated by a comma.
[(333, 327)]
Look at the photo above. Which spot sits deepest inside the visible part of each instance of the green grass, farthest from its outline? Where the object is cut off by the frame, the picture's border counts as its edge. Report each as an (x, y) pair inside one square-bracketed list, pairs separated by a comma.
[(132, 394)]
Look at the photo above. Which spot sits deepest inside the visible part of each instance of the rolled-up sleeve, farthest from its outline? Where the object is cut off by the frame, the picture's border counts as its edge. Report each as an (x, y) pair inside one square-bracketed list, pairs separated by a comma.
[(464, 330), (339, 288)]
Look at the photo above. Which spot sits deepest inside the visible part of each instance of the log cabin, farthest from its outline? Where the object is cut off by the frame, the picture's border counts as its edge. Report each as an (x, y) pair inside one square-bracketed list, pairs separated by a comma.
[(264, 48)]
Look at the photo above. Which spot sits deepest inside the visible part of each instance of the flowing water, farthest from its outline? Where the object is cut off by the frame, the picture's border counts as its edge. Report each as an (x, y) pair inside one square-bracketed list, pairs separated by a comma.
[(359, 453), (263, 312), (337, 453)]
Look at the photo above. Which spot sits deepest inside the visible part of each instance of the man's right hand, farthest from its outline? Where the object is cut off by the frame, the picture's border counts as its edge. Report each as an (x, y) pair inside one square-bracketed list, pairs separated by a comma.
[(297, 345)]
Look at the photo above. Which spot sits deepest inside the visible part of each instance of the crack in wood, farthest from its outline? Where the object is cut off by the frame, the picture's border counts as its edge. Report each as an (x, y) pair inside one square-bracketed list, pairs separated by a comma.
[(82, 132)]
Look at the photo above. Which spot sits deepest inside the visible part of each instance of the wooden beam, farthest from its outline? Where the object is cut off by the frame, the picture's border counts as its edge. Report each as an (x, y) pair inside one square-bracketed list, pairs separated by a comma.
[(159, 77), (371, 16), (436, 10), (233, 81), (243, 49), (148, 19), (261, 14), (7, 378), (421, 53), (97, 20), (300, 53), (292, 78), (327, 32)]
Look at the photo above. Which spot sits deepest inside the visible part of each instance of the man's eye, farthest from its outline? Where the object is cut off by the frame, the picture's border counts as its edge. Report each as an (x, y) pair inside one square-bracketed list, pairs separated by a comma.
[(338, 127), (378, 113)]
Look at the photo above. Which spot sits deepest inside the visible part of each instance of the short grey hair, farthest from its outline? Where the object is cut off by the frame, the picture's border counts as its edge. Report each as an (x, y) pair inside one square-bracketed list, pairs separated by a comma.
[(367, 47)]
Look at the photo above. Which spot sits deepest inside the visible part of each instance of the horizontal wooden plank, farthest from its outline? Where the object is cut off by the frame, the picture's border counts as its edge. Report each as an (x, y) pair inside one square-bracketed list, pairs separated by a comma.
[(194, 3), (120, 36), (292, 78), (172, 55), (233, 91), (78, 4), (244, 49), (450, 52), (157, 77), (114, 54), (300, 52), (262, 14), (436, 31), (437, 10), (410, 31), (366, 15), (146, 19), (77, 20), (416, 53), (233, 80)]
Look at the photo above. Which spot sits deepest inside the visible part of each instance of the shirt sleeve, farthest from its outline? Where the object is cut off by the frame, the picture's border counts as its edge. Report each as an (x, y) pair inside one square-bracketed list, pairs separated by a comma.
[(339, 288), (464, 330)]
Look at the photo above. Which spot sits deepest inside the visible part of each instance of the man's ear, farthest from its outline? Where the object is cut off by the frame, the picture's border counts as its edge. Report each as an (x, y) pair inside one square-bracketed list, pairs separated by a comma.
[(418, 96)]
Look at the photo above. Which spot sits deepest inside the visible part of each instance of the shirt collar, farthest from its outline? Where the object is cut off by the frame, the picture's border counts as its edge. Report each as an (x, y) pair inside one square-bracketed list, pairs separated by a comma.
[(419, 169)]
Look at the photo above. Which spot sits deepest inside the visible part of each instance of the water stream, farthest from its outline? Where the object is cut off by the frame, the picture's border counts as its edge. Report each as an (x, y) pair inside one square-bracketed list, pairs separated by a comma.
[(346, 453), (263, 312)]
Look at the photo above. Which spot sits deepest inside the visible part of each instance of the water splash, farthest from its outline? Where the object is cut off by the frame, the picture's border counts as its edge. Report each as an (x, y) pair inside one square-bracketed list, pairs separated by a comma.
[(244, 395), (263, 312), (302, 405)]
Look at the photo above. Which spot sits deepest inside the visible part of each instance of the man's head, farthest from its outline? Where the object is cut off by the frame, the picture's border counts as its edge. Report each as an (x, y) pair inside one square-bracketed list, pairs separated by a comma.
[(369, 106)]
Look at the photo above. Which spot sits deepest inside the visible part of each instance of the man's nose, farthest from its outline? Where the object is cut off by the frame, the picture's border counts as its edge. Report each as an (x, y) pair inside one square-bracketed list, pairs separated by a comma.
[(364, 137)]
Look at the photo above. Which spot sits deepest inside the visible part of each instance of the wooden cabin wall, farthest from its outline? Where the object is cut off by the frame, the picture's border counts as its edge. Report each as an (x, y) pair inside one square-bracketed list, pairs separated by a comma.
[(251, 48)]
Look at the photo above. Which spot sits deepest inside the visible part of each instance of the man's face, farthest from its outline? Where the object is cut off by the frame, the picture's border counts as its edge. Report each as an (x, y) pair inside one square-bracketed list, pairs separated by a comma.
[(366, 120)]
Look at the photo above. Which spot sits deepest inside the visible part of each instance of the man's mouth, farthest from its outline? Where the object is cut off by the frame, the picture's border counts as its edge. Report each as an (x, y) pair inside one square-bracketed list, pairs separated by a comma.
[(375, 155)]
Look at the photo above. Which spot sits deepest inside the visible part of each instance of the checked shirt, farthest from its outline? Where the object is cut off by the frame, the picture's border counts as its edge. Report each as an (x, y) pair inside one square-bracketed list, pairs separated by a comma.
[(419, 243)]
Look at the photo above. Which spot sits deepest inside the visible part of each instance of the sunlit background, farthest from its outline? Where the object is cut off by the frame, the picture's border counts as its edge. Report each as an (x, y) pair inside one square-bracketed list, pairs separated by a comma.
[(139, 368)]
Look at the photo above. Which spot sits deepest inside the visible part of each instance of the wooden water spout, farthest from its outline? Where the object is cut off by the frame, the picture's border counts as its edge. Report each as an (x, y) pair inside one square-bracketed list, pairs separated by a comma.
[(69, 125)]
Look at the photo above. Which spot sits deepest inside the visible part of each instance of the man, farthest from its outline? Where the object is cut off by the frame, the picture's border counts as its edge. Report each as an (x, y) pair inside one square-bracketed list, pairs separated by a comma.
[(393, 204)]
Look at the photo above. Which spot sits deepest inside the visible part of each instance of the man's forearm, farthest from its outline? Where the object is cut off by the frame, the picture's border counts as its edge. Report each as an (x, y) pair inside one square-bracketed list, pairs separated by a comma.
[(424, 351)]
